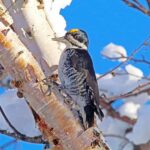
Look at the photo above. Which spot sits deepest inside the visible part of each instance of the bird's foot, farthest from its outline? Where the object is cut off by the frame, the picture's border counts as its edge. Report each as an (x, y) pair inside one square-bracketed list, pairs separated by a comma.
[(68, 101)]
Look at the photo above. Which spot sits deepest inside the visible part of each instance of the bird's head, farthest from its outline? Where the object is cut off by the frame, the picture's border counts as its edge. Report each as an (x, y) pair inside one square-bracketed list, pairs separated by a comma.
[(74, 38)]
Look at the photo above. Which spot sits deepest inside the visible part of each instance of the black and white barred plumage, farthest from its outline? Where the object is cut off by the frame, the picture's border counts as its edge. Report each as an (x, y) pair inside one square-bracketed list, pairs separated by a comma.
[(78, 78)]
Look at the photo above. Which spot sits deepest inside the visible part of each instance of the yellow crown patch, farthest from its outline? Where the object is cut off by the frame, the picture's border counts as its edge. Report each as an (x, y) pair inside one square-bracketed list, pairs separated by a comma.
[(74, 30)]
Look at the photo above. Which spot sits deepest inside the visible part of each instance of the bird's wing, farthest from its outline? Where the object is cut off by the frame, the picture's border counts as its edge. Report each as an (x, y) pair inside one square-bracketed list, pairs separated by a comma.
[(82, 62)]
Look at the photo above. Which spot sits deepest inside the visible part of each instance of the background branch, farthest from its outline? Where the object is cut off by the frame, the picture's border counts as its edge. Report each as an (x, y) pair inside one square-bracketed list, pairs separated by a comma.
[(111, 112), (128, 59), (148, 2), (36, 139), (144, 88), (143, 60), (137, 5), (17, 134)]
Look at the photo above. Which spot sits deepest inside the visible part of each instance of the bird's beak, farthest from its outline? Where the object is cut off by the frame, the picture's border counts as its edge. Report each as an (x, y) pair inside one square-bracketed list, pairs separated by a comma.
[(59, 39)]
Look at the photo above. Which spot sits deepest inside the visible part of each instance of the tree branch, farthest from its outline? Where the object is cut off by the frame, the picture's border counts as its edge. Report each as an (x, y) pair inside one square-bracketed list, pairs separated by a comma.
[(143, 60), (17, 134), (9, 123), (128, 59), (148, 2), (111, 112), (137, 5), (147, 78), (36, 139), (144, 88)]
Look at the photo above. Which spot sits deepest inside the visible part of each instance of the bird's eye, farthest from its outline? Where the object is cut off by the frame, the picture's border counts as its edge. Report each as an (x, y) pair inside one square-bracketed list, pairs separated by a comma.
[(78, 37)]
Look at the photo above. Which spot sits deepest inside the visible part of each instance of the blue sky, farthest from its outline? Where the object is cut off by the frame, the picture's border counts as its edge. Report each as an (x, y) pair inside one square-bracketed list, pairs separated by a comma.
[(20, 145), (104, 21)]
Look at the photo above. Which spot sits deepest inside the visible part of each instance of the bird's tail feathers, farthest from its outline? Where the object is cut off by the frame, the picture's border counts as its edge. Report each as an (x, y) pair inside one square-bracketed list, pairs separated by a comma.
[(100, 114)]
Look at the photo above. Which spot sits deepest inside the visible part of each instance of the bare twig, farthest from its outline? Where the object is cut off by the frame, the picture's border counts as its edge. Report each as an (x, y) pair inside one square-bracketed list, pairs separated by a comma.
[(134, 75), (144, 88), (143, 60), (111, 112), (17, 134), (148, 2), (137, 5), (9, 123), (36, 139), (129, 58)]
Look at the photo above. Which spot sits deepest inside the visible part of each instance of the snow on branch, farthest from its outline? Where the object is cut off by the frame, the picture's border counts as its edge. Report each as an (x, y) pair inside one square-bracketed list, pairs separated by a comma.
[(143, 60), (144, 88), (112, 112), (124, 94), (111, 50), (114, 51)]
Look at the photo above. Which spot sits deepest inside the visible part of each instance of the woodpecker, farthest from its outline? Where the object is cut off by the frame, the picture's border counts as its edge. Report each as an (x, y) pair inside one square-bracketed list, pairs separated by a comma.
[(77, 76)]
